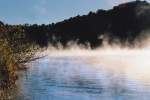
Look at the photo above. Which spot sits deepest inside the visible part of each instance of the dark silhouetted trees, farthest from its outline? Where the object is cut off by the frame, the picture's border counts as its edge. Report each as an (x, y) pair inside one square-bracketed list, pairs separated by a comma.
[(123, 23)]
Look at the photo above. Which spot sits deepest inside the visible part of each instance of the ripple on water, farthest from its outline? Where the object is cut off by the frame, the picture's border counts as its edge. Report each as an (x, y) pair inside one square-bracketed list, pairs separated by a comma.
[(76, 78)]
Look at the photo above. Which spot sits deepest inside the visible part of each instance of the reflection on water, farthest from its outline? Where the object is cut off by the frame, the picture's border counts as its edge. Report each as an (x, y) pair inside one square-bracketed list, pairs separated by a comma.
[(84, 78)]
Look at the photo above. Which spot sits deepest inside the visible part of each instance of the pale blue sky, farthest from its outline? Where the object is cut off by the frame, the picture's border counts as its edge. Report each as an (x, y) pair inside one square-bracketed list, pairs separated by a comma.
[(47, 11)]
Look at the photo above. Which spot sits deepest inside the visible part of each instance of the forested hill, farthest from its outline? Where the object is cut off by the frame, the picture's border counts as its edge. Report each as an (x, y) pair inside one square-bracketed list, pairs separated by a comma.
[(124, 22)]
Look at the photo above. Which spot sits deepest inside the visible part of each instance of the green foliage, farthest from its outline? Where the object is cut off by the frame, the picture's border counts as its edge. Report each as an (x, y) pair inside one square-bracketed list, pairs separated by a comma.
[(14, 49)]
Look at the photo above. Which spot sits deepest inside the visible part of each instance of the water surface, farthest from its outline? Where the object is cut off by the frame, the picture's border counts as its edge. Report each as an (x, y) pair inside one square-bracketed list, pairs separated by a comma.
[(83, 78)]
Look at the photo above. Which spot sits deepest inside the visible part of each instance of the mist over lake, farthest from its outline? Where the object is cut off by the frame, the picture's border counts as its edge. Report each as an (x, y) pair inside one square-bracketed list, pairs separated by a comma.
[(115, 75)]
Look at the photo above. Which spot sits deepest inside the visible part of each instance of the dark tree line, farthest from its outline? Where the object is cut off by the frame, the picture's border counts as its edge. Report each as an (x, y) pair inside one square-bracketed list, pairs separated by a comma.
[(124, 22)]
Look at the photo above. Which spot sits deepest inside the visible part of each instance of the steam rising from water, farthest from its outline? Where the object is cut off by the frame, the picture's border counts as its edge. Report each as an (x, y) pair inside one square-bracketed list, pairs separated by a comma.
[(108, 73), (134, 62)]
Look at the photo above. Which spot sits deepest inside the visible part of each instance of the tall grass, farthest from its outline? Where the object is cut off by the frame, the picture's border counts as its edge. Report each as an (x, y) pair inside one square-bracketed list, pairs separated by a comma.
[(14, 51)]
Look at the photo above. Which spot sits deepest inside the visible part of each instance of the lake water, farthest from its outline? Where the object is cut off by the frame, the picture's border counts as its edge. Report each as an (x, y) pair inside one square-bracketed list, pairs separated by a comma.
[(85, 78)]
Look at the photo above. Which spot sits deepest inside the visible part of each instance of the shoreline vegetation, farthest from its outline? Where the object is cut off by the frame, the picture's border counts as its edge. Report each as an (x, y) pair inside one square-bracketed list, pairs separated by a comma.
[(15, 50)]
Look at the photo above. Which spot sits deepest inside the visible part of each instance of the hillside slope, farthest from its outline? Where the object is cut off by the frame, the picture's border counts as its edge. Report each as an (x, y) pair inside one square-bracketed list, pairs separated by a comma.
[(124, 22)]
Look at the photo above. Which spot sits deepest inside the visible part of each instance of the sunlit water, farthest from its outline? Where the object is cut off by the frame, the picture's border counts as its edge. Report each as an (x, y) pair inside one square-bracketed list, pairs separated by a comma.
[(103, 77)]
